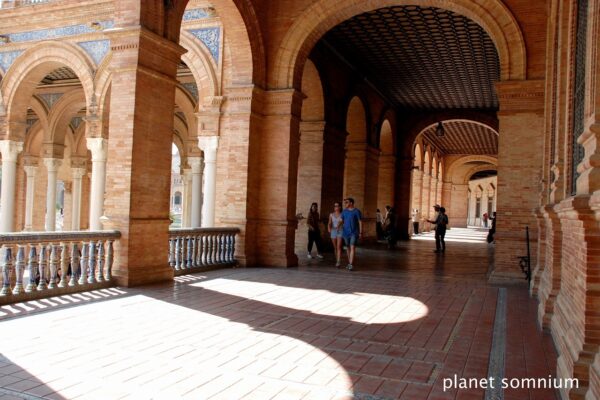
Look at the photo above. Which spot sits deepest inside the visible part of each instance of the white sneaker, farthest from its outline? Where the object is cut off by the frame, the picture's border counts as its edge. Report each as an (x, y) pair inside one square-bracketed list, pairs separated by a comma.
[(338, 263), (308, 256), (349, 266), (319, 256)]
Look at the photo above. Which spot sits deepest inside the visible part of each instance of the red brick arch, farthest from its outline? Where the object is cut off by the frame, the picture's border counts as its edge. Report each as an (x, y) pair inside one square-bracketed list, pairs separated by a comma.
[(61, 114), (203, 68), (492, 15), (30, 68)]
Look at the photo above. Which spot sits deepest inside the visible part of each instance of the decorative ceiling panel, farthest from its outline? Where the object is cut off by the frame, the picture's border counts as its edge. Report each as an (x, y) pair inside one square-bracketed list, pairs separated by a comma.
[(464, 137), (422, 57), (59, 74)]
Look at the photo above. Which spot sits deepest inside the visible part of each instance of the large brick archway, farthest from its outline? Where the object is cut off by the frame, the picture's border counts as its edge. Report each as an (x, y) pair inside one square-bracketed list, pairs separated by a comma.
[(492, 15), (22, 78)]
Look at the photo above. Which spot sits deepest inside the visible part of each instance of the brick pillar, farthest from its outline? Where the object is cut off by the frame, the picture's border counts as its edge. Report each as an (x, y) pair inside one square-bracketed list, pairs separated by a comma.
[(550, 271), (310, 177), (425, 208), (416, 188), (333, 166), (369, 207), (539, 266), (278, 172), (138, 172), (458, 212), (354, 173), (403, 196), (521, 120), (385, 190)]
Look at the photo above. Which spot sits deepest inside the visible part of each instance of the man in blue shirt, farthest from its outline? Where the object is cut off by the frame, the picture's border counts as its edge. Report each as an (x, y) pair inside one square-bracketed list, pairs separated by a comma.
[(352, 229)]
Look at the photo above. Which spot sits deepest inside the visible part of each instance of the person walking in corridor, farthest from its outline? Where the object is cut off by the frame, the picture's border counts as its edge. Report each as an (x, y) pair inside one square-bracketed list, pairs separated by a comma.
[(314, 234), (334, 226), (415, 221), (352, 229), (379, 224)]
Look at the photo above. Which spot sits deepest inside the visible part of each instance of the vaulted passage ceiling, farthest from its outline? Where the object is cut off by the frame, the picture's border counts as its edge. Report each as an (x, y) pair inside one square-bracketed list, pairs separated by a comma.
[(464, 137), (421, 58)]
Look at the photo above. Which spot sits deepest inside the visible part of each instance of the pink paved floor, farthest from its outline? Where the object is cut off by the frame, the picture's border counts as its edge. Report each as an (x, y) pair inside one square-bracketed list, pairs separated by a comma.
[(395, 328)]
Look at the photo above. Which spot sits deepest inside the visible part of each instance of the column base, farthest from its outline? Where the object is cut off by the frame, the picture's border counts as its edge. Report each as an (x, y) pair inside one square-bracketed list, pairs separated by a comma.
[(144, 276)]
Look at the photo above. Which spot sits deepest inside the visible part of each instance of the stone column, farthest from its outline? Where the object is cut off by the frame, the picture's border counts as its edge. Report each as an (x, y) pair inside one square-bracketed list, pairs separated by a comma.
[(521, 120), (9, 149), (52, 165), (186, 217), (138, 176), (99, 148), (369, 207), (208, 144), (416, 188), (403, 196), (196, 206), (78, 174), (30, 171)]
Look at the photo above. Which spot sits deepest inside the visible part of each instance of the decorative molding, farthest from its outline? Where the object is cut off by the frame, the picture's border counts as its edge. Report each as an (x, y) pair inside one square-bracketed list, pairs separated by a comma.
[(7, 58), (199, 13), (192, 89), (96, 49), (50, 98), (211, 37), (54, 33), (75, 122)]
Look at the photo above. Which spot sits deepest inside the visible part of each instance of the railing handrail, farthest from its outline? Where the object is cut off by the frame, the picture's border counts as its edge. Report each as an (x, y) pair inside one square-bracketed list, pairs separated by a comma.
[(47, 237), (178, 231)]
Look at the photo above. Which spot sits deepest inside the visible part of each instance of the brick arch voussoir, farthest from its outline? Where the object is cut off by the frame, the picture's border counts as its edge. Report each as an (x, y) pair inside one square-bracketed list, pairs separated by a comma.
[(203, 68), (60, 116), (469, 173), (452, 168), (492, 15)]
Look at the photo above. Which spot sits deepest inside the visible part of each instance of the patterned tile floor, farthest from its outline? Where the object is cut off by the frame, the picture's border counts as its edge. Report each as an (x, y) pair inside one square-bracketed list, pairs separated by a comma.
[(394, 328)]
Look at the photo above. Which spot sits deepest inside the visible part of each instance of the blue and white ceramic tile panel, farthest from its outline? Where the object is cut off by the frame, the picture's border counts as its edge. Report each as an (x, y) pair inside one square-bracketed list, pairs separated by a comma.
[(97, 49), (192, 88), (7, 58), (195, 14), (50, 98), (211, 37), (54, 33)]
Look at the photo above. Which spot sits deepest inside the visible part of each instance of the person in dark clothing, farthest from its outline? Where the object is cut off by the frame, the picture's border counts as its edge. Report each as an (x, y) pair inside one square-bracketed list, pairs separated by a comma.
[(390, 228), (492, 232), (441, 222), (314, 234)]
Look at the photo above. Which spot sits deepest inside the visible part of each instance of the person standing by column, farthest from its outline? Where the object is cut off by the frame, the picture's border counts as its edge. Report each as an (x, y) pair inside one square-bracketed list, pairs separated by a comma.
[(441, 222), (314, 233), (379, 224), (415, 221), (353, 229)]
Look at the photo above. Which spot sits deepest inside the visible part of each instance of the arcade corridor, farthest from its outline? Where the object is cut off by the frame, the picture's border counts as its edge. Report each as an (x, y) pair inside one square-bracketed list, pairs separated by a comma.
[(395, 328)]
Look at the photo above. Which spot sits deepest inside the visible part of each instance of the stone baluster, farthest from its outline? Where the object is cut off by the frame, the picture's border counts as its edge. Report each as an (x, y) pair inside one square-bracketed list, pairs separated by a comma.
[(31, 269), (232, 247), (83, 263), (109, 261), (6, 269), (190, 255), (223, 254), (53, 266), (177, 252), (215, 248), (201, 250), (101, 262), (194, 251), (19, 269), (42, 285), (64, 265), (229, 248), (172, 252), (92, 263), (74, 264)]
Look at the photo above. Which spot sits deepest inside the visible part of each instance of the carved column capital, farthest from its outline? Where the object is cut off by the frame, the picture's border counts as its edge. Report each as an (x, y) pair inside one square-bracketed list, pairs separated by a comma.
[(99, 148), (10, 150), (52, 164), (196, 163)]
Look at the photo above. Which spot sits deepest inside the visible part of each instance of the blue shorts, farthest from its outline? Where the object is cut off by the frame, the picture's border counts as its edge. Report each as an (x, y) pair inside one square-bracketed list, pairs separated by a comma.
[(351, 240), (336, 234)]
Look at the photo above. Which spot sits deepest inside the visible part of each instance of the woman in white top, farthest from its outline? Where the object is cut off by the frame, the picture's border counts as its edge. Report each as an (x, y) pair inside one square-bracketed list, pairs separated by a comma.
[(335, 230)]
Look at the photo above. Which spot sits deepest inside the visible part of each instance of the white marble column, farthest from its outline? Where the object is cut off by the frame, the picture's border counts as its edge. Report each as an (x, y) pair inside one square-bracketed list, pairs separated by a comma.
[(10, 150), (52, 165), (30, 171), (186, 201), (196, 206), (78, 174), (98, 147), (209, 144)]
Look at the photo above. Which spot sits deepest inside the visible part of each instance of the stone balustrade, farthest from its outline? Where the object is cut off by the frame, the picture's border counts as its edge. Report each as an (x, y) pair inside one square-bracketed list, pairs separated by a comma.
[(42, 264), (200, 248)]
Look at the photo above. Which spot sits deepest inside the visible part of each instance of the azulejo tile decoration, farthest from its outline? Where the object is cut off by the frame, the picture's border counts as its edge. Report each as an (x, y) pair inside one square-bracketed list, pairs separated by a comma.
[(97, 49), (211, 37)]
